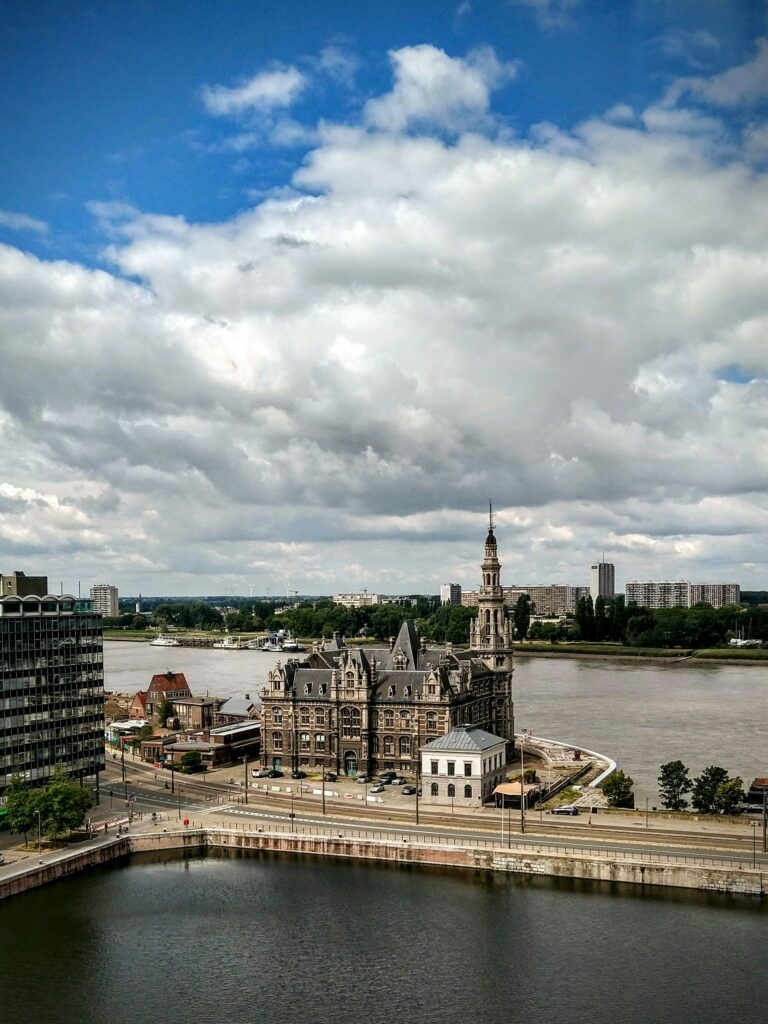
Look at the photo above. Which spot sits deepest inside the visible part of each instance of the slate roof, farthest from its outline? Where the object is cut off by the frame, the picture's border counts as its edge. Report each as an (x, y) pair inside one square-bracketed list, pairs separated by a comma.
[(238, 706), (464, 737)]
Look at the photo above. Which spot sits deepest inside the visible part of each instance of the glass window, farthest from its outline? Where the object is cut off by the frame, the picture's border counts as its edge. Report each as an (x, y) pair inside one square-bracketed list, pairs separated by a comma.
[(319, 717), (467, 791), (277, 741), (451, 767), (405, 746), (431, 721), (389, 745), (433, 767), (277, 716), (350, 722), (304, 741), (451, 789), (434, 789), (320, 743), (467, 767)]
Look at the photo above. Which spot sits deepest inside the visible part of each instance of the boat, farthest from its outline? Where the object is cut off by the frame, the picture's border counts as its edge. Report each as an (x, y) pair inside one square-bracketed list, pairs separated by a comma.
[(292, 646), (271, 647), (164, 641), (230, 643)]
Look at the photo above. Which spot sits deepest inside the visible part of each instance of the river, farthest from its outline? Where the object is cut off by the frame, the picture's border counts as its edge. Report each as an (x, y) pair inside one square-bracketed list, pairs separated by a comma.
[(642, 714), (269, 939)]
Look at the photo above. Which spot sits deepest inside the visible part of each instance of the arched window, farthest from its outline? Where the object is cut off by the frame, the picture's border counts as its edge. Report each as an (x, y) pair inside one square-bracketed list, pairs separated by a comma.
[(451, 789), (319, 716), (374, 744), (304, 741), (304, 716), (350, 722), (277, 716), (320, 743), (434, 789), (389, 719), (468, 791), (350, 678), (277, 741), (405, 746), (431, 721), (389, 745), (391, 691)]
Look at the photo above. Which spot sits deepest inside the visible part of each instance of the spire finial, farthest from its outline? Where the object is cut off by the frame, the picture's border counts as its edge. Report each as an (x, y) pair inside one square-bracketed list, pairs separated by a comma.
[(490, 515)]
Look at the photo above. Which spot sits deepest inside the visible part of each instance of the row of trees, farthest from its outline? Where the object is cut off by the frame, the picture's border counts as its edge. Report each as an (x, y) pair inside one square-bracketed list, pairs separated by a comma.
[(712, 792), (59, 807)]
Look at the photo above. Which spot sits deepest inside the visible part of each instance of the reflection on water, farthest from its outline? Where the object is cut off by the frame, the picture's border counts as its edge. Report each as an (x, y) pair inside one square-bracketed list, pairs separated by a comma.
[(641, 714), (264, 938)]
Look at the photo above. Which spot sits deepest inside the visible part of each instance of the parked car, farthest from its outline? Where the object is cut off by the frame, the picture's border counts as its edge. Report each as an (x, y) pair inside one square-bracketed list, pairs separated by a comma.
[(408, 790), (362, 780), (330, 777), (260, 773), (752, 808), (298, 775), (387, 775), (399, 781), (378, 788), (565, 809), (273, 773)]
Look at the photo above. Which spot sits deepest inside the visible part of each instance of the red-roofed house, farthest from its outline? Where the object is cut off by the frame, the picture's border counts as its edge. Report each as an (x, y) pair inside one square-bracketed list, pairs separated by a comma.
[(138, 708), (167, 686)]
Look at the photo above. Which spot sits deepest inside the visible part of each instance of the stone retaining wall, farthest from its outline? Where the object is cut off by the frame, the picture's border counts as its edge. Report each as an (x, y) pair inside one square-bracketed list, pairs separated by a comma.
[(735, 880)]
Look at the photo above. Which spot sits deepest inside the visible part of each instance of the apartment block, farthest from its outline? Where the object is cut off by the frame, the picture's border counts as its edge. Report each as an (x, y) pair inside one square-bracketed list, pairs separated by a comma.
[(657, 594), (450, 593), (602, 580), (717, 594), (104, 600)]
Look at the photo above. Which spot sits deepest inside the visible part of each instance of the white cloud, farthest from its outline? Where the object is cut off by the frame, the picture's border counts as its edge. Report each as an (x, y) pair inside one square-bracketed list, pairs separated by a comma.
[(434, 89), (265, 91), (551, 13), (21, 222), (744, 84), (337, 381)]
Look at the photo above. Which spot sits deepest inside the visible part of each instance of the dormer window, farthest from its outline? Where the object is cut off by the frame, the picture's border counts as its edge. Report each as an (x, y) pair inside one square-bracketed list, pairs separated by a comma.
[(407, 691), (391, 691), (323, 688), (308, 688)]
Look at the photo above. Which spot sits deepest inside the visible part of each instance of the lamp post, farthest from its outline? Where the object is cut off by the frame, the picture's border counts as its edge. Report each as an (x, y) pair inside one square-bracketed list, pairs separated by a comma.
[(754, 843), (292, 814), (765, 820), (646, 812), (418, 770), (522, 784), (122, 768), (245, 772), (173, 783)]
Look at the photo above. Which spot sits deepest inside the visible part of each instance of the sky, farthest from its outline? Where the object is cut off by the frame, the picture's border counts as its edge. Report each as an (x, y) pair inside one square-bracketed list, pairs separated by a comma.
[(289, 292)]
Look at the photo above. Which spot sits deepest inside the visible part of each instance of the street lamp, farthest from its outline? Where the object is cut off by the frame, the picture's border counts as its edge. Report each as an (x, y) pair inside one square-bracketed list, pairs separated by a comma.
[(245, 771), (754, 843), (122, 768), (173, 785), (418, 770), (522, 784)]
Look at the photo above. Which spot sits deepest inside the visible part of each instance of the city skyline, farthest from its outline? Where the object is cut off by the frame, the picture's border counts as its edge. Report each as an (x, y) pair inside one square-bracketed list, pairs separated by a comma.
[(283, 312)]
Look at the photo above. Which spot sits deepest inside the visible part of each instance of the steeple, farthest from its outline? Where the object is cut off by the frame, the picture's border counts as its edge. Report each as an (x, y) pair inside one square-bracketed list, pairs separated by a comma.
[(490, 633)]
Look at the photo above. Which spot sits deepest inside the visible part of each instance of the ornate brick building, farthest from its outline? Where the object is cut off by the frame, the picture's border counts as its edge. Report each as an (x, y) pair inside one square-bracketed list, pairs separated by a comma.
[(354, 710)]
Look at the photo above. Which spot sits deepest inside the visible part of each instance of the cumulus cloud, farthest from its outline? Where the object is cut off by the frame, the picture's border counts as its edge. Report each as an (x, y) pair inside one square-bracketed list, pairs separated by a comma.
[(325, 389), (433, 89), (265, 91), (745, 84)]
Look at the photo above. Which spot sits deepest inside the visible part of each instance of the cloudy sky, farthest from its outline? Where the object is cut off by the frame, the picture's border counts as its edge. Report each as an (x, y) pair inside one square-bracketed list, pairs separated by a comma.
[(289, 291)]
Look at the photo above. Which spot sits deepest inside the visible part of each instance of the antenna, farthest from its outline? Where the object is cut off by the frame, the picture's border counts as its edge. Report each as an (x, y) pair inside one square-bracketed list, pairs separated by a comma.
[(490, 514)]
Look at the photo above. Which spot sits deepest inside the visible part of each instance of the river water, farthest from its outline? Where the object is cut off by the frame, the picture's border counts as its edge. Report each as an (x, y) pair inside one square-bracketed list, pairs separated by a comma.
[(642, 715), (263, 939)]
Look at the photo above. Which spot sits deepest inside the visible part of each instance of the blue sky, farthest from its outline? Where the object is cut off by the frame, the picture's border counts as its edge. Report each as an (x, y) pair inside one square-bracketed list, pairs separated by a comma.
[(288, 291)]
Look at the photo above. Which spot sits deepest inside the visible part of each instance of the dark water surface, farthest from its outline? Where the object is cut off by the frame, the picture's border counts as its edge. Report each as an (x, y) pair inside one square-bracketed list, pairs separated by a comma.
[(267, 939), (641, 714)]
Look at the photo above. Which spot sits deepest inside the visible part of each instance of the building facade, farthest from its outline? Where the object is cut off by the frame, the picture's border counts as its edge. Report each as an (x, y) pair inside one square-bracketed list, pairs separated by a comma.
[(51, 688), (681, 594), (463, 767), (719, 595), (104, 600), (546, 599), (362, 600), (602, 580), (353, 710), (450, 593), (18, 584)]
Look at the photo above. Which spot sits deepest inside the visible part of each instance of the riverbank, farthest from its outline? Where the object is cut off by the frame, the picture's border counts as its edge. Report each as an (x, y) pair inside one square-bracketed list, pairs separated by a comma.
[(644, 655), (641, 867)]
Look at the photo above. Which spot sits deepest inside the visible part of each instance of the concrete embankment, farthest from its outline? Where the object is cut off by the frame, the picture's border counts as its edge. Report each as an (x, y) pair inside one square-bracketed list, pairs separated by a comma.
[(649, 869)]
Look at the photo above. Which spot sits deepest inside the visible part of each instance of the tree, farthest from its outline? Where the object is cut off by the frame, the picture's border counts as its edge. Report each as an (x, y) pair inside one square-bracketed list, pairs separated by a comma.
[(522, 616), (191, 762), (704, 795), (601, 622), (618, 790), (21, 802), (729, 795), (63, 805), (674, 783), (164, 710)]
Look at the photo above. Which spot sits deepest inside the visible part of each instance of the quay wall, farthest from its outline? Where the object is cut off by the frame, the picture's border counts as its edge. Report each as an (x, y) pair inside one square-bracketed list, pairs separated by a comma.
[(573, 865)]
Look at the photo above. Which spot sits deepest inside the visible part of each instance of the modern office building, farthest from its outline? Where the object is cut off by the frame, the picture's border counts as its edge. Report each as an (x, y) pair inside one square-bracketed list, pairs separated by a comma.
[(51, 687), (546, 599), (450, 593), (602, 580), (104, 600)]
